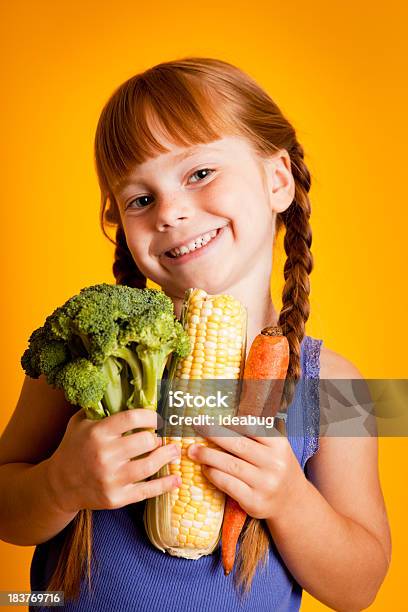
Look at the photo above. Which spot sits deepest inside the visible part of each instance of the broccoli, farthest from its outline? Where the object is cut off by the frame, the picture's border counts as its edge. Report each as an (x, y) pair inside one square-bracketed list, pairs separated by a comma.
[(107, 347)]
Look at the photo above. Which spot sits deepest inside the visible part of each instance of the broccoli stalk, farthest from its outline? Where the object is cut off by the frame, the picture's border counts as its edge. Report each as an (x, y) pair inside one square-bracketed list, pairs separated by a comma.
[(107, 348), (113, 396), (153, 362)]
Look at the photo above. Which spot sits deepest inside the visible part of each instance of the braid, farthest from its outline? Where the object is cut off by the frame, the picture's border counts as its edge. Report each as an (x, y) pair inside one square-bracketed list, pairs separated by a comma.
[(124, 268), (299, 264)]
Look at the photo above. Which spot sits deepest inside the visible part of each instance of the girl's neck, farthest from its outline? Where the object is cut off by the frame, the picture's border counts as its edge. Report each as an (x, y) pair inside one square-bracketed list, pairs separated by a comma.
[(256, 297)]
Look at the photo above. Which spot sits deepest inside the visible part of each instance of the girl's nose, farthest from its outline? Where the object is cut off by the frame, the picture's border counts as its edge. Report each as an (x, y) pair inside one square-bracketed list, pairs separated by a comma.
[(171, 211)]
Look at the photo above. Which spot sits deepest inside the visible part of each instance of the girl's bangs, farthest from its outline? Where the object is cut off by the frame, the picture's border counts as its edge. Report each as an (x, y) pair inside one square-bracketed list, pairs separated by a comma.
[(151, 108)]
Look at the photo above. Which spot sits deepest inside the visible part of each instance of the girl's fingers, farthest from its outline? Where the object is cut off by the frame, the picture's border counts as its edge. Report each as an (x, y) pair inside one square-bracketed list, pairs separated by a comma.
[(241, 446), (140, 469), (276, 440), (133, 445), (268, 437), (134, 493), (136, 418), (228, 464), (233, 487), (136, 444)]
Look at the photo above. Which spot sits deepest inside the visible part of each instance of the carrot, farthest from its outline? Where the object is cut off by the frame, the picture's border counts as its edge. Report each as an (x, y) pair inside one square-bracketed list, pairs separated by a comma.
[(268, 359), (234, 519)]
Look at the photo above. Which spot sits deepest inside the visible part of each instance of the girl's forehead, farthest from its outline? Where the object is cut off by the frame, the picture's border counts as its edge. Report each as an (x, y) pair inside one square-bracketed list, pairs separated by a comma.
[(176, 154)]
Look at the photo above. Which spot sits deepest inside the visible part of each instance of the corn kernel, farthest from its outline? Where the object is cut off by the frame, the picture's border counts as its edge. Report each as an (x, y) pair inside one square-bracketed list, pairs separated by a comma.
[(199, 542)]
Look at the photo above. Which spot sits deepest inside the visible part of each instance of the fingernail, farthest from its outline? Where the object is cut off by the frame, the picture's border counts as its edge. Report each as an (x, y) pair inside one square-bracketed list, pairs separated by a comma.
[(192, 450)]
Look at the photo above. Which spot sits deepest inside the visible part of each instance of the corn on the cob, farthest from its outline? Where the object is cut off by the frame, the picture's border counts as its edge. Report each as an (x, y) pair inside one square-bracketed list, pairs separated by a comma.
[(186, 522)]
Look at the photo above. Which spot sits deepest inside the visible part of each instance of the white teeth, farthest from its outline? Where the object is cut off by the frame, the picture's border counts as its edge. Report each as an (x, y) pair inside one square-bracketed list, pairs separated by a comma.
[(194, 245), (191, 246)]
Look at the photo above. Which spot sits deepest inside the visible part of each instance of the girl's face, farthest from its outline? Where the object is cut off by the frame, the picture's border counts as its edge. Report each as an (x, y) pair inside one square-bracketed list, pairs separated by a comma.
[(204, 216)]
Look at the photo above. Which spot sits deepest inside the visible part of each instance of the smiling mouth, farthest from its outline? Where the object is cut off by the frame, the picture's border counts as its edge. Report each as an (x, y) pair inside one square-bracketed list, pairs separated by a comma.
[(193, 245)]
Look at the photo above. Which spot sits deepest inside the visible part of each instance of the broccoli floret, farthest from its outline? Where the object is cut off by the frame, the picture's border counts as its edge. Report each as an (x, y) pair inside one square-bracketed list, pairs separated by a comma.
[(107, 347), (84, 385), (44, 355)]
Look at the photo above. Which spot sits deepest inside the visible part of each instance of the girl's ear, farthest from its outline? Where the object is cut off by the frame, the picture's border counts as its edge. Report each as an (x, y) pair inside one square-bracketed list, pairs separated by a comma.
[(280, 181)]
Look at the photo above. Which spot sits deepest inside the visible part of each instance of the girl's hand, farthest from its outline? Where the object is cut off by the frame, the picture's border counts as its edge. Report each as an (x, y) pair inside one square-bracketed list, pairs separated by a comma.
[(260, 472), (93, 468)]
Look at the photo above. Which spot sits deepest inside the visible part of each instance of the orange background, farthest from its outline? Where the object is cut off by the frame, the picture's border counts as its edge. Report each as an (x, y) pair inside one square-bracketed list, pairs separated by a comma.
[(336, 70)]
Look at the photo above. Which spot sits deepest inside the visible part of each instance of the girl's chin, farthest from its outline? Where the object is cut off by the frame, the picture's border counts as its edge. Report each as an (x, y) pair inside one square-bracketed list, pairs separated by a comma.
[(213, 284)]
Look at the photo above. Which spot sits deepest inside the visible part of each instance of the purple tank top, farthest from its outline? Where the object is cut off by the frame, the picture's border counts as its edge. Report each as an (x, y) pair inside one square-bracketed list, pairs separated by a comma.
[(129, 574)]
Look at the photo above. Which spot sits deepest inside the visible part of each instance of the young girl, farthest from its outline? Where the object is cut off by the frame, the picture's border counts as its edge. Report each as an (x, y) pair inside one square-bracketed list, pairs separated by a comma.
[(195, 149)]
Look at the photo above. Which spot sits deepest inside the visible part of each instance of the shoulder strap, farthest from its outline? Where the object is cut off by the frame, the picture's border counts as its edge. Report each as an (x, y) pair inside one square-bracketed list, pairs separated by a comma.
[(310, 396)]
